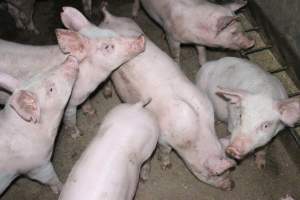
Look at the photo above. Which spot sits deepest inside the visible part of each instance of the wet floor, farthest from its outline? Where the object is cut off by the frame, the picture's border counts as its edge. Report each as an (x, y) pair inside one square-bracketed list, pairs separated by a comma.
[(280, 177)]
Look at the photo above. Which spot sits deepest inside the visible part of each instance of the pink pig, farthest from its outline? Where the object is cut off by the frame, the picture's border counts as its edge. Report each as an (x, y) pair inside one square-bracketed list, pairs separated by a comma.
[(197, 22), (126, 138), (100, 52), (185, 115), (29, 123), (252, 102)]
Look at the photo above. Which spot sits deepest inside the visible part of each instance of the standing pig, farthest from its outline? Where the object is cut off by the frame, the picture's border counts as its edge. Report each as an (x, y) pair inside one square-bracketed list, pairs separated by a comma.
[(100, 52), (126, 138), (185, 115), (29, 123), (252, 102), (197, 22)]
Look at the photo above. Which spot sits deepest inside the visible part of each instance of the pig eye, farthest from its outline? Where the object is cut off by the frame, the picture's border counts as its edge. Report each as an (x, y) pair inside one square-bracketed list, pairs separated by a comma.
[(50, 89), (266, 125)]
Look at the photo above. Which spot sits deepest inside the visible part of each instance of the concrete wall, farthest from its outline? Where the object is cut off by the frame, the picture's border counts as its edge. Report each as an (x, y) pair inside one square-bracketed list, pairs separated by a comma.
[(281, 21)]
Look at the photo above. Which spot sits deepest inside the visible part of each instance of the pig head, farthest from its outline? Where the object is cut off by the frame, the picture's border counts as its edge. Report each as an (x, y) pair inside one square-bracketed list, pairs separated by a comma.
[(29, 123), (254, 119)]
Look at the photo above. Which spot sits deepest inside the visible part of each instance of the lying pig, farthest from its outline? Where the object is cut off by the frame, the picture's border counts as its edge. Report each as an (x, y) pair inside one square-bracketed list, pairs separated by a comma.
[(198, 22), (252, 102), (185, 115), (29, 123), (99, 53), (127, 136)]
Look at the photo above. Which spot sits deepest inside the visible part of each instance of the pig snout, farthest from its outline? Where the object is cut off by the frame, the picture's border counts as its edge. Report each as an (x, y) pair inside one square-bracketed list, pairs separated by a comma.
[(138, 45), (239, 147), (233, 152), (226, 184), (71, 67)]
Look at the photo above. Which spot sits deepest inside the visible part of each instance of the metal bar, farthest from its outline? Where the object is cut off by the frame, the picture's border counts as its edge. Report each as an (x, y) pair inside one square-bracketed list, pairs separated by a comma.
[(256, 50), (294, 94), (295, 136), (278, 70), (256, 28)]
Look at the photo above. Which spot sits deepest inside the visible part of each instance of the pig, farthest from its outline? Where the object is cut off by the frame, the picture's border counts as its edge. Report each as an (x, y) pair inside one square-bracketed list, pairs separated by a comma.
[(127, 136), (30, 120), (251, 101), (185, 115), (197, 22), (100, 52), (22, 12)]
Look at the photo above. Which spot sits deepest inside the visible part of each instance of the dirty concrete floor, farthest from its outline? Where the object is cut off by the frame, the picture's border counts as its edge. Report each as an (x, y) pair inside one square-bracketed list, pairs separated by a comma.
[(280, 177)]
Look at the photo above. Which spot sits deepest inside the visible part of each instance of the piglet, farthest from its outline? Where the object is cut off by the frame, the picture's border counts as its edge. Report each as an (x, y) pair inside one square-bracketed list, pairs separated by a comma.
[(185, 114), (100, 52), (198, 22), (109, 167), (29, 123), (252, 102)]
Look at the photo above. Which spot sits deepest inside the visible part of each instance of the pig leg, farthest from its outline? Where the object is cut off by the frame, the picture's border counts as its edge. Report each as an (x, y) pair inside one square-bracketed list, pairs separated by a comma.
[(135, 8), (5, 180), (87, 108), (87, 7), (70, 121), (145, 170), (108, 90), (174, 48), (201, 54), (46, 175), (225, 141), (164, 151), (260, 159)]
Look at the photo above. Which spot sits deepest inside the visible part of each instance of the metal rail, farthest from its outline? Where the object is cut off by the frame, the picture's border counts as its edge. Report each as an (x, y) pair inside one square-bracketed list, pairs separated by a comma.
[(245, 54)]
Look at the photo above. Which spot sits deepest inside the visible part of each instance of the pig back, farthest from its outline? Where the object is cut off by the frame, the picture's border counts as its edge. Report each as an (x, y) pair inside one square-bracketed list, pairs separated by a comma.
[(21, 60), (152, 73)]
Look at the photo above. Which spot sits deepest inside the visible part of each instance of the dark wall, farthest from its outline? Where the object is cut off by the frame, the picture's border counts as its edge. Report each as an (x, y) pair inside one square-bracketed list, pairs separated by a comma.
[(281, 20)]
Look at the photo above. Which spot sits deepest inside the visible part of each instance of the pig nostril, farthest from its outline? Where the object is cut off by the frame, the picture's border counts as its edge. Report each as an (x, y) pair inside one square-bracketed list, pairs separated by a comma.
[(233, 152)]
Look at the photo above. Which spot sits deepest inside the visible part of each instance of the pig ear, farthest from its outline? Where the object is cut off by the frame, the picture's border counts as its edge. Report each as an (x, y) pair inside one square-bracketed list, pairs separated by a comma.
[(8, 82), (234, 96), (223, 22), (238, 4), (72, 42), (289, 110), (73, 19), (26, 105)]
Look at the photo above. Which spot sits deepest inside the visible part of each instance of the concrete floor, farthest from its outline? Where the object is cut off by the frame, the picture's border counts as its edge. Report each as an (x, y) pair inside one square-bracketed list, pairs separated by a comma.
[(280, 177)]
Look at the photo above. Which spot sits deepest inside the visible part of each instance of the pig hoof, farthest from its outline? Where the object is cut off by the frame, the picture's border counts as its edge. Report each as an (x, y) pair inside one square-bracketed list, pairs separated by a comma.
[(165, 166), (260, 163), (74, 131), (227, 185), (144, 178), (88, 109), (56, 188), (107, 93)]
